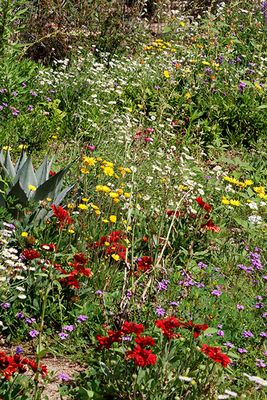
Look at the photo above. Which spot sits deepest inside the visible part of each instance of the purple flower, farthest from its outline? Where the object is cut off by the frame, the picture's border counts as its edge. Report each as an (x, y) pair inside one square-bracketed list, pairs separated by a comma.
[(163, 285), (241, 86), (126, 338), (129, 294), (263, 334), (3, 90), (229, 345), (33, 93), (64, 377), (265, 353), (5, 306), (259, 305), (174, 303), (82, 318), (30, 107), (220, 333), (23, 84), (261, 364), (14, 94), (264, 315), (19, 350), (202, 265), (241, 350), (160, 311), (30, 321), (99, 292), (20, 315), (33, 333), (68, 328), (248, 334), (240, 307), (216, 293), (63, 335)]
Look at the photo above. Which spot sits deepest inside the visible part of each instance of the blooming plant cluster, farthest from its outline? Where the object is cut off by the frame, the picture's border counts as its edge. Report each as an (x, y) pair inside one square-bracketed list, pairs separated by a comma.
[(160, 217)]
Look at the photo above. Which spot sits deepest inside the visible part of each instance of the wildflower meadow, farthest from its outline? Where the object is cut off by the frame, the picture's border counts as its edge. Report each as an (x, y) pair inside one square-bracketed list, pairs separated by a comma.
[(133, 201)]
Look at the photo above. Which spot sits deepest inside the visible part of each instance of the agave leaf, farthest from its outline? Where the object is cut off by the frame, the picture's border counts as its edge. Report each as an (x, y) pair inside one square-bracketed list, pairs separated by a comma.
[(26, 176), (2, 157), (62, 195), (42, 172), (52, 186), (9, 165), (17, 192), (2, 200), (20, 161)]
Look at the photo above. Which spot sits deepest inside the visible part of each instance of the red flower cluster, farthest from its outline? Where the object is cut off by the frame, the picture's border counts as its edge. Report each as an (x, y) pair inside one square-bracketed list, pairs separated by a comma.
[(30, 254), (78, 269), (144, 263), (207, 207), (112, 244), (144, 135), (211, 226), (9, 365), (140, 354), (168, 324), (62, 215), (215, 354)]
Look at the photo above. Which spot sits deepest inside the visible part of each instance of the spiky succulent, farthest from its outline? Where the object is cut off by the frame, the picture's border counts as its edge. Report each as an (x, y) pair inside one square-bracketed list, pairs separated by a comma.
[(25, 185)]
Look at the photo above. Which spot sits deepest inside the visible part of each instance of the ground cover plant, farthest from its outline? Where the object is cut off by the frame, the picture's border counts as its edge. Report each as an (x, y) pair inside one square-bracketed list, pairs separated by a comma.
[(133, 214)]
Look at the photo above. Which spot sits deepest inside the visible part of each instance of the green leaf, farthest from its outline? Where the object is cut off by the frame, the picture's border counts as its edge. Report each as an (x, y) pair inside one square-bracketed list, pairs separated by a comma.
[(26, 176), (9, 165), (51, 187), (42, 173), (17, 192), (20, 161)]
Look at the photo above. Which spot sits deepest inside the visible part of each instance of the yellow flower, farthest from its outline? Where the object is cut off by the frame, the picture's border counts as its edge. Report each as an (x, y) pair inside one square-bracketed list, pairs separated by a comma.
[(205, 63), (32, 188), (48, 199), (102, 188), (127, 195), (107, 244), (94, 206), (97, 212), (116, 201), (188, 95), (24, 234), (89, 161), (71, 231), (23, 146), (54, 137), (113, 218), (120, 192), (109, 171), (248, 182), (83, 207), (182, 24), (6, 148), (235, 202), (183, 187), (225, 200), (257, 86), (114, 195), (115, 257), (260, 190), (166, 74), (70, 206), (108, 163), (84, 171), (105, 221)]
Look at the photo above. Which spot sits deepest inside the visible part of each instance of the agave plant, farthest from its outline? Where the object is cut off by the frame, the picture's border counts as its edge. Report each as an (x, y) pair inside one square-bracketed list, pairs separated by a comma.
[(27, 185)]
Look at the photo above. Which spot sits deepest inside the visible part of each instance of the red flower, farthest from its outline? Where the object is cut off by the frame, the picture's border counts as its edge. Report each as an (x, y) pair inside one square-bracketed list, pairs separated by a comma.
[(145, 341), (132, 327), (211, 226), (30, 254), (52, 173), (167, 325), (215, 354), (196, 328), (141, 356), (80, 258), (49, 247), (62, 215), (205, 206), (9, 365), (144, 263), (172, 212), (107, 341)]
